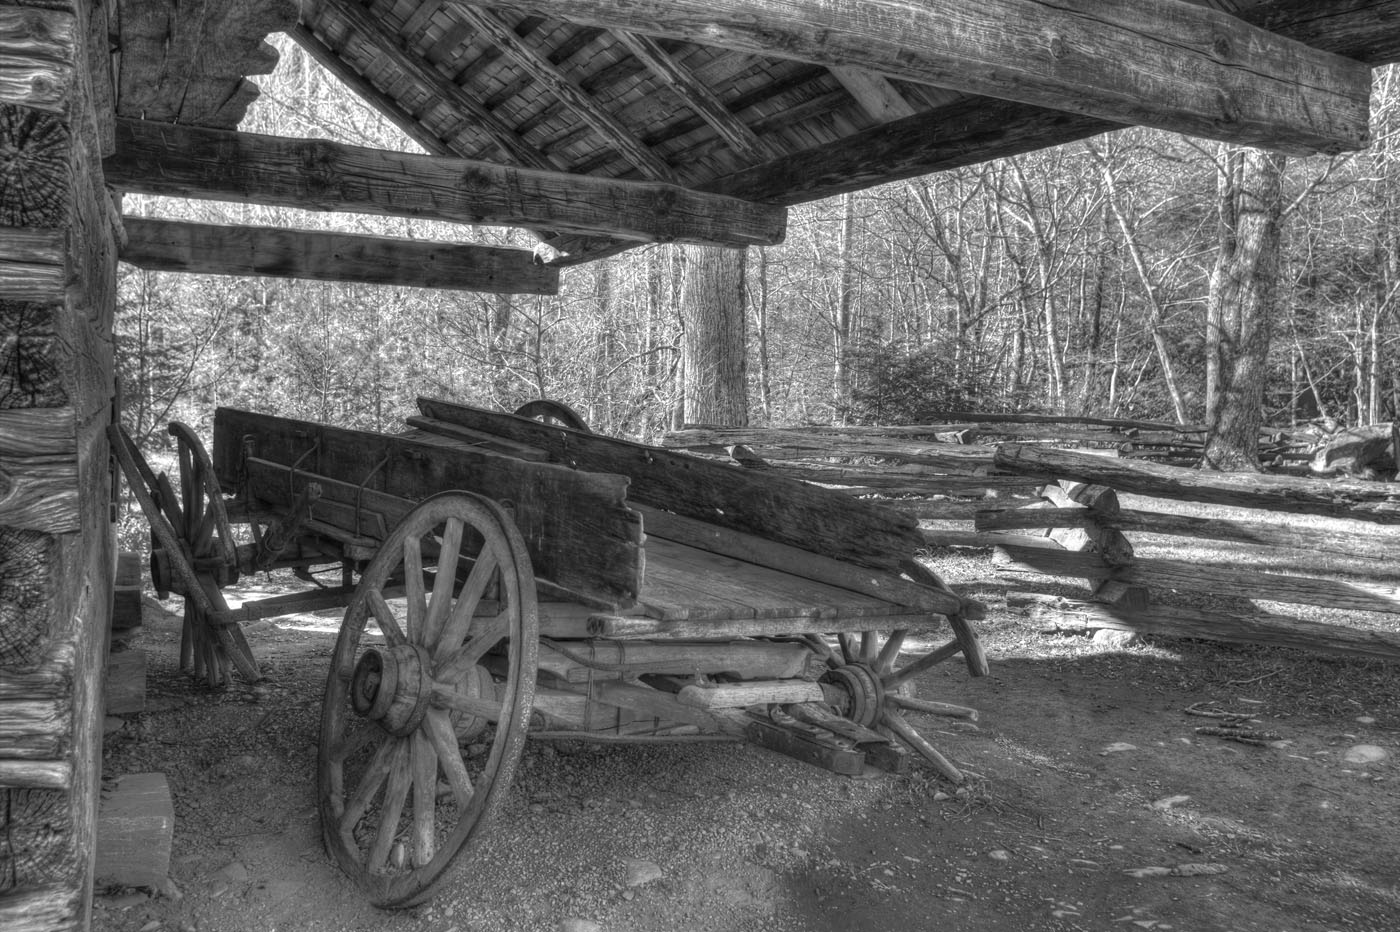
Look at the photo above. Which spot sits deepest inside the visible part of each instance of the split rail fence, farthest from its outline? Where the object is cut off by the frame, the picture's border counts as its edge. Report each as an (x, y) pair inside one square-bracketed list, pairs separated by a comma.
[(1052, 514)]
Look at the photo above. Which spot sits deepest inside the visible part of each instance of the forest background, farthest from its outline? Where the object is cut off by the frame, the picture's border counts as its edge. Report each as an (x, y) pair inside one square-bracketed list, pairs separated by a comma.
[(1079, 280)]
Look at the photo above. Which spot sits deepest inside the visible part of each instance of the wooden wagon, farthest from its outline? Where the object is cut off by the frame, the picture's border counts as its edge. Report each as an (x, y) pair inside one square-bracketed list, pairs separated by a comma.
[(505, 575)]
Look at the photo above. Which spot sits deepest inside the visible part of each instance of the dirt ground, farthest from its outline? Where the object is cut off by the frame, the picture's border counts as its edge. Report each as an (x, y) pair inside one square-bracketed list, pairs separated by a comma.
[(1097, 806)]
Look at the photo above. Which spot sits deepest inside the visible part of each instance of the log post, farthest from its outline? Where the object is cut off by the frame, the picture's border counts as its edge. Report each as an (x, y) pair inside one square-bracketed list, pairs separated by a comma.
[(57, 278)]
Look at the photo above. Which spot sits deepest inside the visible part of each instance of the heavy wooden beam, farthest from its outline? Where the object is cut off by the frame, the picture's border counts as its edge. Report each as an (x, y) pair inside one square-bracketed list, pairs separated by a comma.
[(978, 129), (1161, 63), (697, 96), (602, 122), (177, 246), (315, 174)]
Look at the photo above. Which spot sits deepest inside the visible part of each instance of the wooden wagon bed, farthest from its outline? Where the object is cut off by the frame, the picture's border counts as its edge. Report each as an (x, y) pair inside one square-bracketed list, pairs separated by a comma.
[(503, 576)]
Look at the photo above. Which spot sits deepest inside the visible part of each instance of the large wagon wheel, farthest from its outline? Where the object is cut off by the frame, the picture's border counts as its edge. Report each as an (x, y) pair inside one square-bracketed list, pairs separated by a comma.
[(192, 551), (459, 667)]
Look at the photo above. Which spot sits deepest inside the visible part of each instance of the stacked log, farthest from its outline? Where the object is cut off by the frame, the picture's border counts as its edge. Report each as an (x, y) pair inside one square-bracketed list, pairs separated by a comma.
[(1087, 540)]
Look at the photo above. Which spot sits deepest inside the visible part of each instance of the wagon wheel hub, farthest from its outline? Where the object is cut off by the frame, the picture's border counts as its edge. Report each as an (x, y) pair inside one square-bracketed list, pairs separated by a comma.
[(858, 693), (393, 687)]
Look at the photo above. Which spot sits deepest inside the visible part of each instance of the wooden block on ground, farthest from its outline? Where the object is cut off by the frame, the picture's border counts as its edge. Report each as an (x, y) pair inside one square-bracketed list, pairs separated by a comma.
[(126, 607), (135, 823), (125, 692)]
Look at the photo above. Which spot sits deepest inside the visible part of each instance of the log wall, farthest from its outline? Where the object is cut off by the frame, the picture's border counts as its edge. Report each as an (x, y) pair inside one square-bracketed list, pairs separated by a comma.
[(57, 275)]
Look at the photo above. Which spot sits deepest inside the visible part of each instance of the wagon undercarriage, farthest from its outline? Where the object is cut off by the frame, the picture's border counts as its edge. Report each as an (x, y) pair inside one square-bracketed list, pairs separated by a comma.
[(496, 586)]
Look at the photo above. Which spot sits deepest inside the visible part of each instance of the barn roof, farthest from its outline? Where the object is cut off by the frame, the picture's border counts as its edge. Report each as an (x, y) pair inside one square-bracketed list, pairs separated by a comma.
[(775, 102)]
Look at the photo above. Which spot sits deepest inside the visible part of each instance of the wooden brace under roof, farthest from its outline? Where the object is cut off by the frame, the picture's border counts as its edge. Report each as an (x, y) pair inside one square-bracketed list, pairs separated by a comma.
[(314, 174), (178, 246)]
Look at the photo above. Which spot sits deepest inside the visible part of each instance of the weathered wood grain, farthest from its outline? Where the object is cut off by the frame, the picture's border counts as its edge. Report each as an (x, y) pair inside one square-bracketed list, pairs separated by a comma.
[(581, 533), (1214, 625), (1158, 63), (182, 246), (803, 563), (135, 825), (27, 590), (316, 174), (186, 60), (1363, 501), (36, 56), (42, 909), (807, 517), (33, 839), (38, 470), (32, 265)]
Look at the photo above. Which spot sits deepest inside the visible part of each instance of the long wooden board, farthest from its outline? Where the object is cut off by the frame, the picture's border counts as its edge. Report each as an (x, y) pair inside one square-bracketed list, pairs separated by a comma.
[(818, 520), (581, 534)]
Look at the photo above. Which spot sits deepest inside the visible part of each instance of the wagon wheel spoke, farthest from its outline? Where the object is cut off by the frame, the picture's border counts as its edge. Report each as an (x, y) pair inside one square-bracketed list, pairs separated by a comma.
[(384, 617), (414, 593), (906, 733), (444, 676), (870, 690), (464, 611), (425, 770)]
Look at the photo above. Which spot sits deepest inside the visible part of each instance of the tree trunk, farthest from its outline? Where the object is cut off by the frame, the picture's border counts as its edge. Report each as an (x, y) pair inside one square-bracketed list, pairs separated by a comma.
[(1243, 295), (841, 337), (765, 386), (714, 347)]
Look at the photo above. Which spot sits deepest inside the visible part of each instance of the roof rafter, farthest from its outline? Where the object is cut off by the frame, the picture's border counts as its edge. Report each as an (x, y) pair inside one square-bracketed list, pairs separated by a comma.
[(373, 32), (1162, 63), (875, 94), (316, 174), (546, 72), (695, 95)]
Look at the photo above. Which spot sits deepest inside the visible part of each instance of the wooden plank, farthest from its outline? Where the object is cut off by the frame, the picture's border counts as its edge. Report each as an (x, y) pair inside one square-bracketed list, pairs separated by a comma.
[(317, 174), (37, 50), (182, 246), (712, 585), (761, 692), (1159, 63), (135, 824), (789, 512), (641, 626), (582, 535), (1363, 501), (753, 549), (749, 659), (1036, 557), (1213, 625)]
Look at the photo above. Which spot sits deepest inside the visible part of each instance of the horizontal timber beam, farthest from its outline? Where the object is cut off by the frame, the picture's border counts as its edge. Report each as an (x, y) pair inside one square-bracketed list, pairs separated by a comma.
[(979, 129), (1161, 63), (178, 246), (315, 174)]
